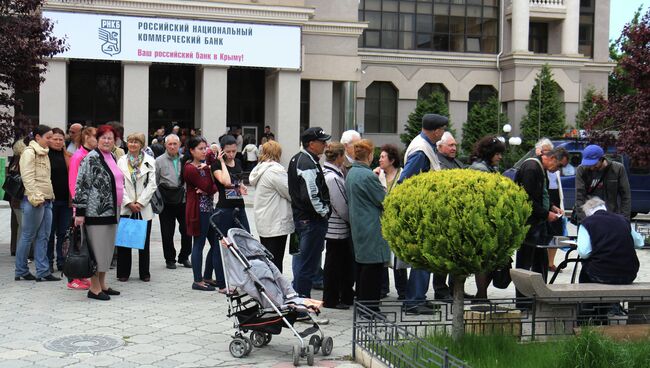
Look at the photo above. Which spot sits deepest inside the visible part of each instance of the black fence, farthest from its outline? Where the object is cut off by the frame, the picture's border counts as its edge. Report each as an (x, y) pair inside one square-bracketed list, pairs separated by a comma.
[(397, 337)]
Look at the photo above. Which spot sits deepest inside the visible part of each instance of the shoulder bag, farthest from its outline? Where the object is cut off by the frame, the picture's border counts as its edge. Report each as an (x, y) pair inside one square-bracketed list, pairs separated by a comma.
[(156, 201), (79, 261)]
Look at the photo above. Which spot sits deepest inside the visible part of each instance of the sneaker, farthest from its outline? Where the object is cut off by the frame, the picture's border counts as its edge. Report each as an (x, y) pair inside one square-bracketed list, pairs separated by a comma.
[(49, 277), (76, 284), (84, 281)]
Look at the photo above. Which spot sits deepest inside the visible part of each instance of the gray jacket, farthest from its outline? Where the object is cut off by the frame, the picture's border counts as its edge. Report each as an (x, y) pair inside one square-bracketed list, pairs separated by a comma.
[(166, 173), (448, 162), (96, 192), (614, 189)]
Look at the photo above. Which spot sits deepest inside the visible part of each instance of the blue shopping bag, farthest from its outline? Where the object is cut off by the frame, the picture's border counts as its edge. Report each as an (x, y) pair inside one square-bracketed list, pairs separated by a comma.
[(131, 233)]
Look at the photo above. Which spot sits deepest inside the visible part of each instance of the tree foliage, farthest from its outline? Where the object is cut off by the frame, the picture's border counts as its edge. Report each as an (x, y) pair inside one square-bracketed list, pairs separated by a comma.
[(545, 110), (617, 85), (26, 41), (628, 114), (591, 105), (434, 104), (458, 221), (482, 121)]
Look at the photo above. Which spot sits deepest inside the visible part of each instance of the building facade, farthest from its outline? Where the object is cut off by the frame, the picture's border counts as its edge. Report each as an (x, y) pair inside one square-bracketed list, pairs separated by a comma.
[(292, 64)]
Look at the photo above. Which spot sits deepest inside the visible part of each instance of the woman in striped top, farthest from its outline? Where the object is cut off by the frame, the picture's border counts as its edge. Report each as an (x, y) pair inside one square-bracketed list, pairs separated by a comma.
[(338, 274)]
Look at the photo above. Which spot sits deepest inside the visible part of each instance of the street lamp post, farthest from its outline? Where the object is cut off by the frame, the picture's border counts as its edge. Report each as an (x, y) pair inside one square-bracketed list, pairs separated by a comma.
[(509, 141)]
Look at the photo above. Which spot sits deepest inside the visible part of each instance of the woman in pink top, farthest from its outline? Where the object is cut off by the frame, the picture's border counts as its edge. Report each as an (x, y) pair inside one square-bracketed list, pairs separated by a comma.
[(98, 198), (88, 143)]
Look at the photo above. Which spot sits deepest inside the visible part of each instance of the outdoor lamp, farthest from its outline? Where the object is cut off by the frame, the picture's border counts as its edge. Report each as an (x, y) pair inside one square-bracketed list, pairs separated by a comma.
[(507, 128), (514, 141)]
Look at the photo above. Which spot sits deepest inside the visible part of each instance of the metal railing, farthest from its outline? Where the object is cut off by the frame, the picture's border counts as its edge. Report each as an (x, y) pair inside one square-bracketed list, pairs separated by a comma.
[(396, 345), (547, 3), (399, 339)]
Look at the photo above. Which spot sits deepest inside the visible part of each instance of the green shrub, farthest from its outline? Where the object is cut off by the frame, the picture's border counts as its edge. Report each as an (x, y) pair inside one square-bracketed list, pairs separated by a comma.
[(456, 221)]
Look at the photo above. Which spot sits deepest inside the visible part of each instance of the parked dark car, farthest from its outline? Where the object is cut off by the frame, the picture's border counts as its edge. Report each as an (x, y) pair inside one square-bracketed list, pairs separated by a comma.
[(639, 176)]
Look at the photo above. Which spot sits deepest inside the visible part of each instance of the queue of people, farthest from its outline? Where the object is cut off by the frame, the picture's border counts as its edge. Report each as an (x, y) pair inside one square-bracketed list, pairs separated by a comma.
[(335, 206)]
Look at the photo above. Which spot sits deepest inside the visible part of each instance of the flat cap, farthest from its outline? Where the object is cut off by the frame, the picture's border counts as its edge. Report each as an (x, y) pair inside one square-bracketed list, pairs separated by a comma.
[(434, 121)]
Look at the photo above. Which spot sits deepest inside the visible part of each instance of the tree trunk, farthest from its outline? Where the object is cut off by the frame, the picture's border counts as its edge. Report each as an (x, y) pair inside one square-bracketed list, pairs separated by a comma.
[(458, 321)]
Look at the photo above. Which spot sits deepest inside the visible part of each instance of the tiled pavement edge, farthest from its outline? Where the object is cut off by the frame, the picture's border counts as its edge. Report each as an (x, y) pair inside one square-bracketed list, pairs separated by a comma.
[(163, 323)]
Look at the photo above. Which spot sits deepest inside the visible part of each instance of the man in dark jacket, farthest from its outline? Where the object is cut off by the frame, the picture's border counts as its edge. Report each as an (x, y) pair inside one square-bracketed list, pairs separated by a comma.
[(447, 153), (600, 177), (310, 205), (532, 176)]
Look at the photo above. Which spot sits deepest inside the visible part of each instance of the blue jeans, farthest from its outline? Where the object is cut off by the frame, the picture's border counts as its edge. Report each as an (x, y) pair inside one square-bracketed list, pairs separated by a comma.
[(225, 221), (305, 265), (213, 257), (61, 216), (418, 285), (36, 226)]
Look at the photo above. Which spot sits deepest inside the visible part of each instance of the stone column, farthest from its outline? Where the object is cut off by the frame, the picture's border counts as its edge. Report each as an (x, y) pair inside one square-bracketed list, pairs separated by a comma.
[(349, 101), (53, 95), (520, 23), (570, 27), (321, 104), (283, 95), (135, 98), (214, 99)]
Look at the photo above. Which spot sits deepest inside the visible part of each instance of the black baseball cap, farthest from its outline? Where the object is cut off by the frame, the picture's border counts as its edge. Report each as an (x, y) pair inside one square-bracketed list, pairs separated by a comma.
[(434, 121), (313, 134)]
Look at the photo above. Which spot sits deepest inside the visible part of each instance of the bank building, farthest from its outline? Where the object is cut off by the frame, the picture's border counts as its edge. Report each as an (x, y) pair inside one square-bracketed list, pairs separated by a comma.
[(291, 64)]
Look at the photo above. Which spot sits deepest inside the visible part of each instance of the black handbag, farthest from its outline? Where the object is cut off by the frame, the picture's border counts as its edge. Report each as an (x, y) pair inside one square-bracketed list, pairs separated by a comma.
[(172, 195), (156, 201), (79, 262), (501, 277), (13, 186)]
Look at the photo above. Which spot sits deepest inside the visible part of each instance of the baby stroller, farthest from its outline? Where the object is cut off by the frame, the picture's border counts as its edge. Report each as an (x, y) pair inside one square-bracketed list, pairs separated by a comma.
[(264, 301)]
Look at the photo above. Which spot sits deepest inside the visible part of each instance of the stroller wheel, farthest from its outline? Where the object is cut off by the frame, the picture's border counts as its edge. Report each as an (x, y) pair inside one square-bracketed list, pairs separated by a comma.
[(328, 345), (259, 339), (249, 344), (268, 338), (296, 355), (238, 348), (315, 342), (309, 351)]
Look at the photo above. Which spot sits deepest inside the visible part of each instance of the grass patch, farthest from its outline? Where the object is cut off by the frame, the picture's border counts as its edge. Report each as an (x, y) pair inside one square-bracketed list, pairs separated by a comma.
[(589, 350)]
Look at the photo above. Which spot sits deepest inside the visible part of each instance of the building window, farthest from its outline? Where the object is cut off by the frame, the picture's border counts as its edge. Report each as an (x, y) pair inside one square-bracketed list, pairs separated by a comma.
[(429, 88), (245, 97), (480, 94), (94, 92), (586, 28), (381, 108), (538, 38), (304, 104), (26, 114), (441, 25), (171, 96)]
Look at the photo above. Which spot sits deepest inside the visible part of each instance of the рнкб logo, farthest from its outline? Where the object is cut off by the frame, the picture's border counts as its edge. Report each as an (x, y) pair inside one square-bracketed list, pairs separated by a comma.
[(111, 33)]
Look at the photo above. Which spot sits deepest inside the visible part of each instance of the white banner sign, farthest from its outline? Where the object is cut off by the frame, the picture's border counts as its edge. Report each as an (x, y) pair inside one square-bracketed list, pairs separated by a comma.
[(184, 41)]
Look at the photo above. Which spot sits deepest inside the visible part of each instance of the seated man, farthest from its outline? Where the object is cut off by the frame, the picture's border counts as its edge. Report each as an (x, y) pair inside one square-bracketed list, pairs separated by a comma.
[(606, 241)]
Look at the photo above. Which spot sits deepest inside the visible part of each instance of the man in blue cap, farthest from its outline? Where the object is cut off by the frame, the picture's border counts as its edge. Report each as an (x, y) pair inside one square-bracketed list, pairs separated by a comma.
[(598, 176)]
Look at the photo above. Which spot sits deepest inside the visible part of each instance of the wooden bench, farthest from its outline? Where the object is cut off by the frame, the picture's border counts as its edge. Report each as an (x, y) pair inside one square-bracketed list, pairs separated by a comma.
[(560, 303)]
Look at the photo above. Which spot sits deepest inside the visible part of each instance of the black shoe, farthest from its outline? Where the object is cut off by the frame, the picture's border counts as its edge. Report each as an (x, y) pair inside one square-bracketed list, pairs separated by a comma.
[(337, 306), (49, 277), (200, 287), (419, 310), (28, 276), (186, 263), (171, 265), (101, 296), (110, 291)]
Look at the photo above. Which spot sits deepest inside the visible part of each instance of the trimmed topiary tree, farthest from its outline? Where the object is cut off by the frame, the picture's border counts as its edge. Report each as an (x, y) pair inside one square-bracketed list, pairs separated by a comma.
[(459, 222), (545, 112), (482, 121), (434, 104)]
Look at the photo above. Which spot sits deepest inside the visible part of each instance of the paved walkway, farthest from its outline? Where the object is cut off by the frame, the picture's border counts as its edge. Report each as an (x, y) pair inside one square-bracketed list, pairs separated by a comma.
[(163, 323)]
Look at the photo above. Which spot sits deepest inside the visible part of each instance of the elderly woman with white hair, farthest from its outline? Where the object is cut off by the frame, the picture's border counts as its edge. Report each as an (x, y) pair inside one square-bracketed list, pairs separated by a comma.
[(556, 197), (139, 170), (348, 138), (606, 242)]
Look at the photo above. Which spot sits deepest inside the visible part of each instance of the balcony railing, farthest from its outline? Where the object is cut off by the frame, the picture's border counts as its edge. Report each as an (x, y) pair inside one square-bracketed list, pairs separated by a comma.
[(547, 3)]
